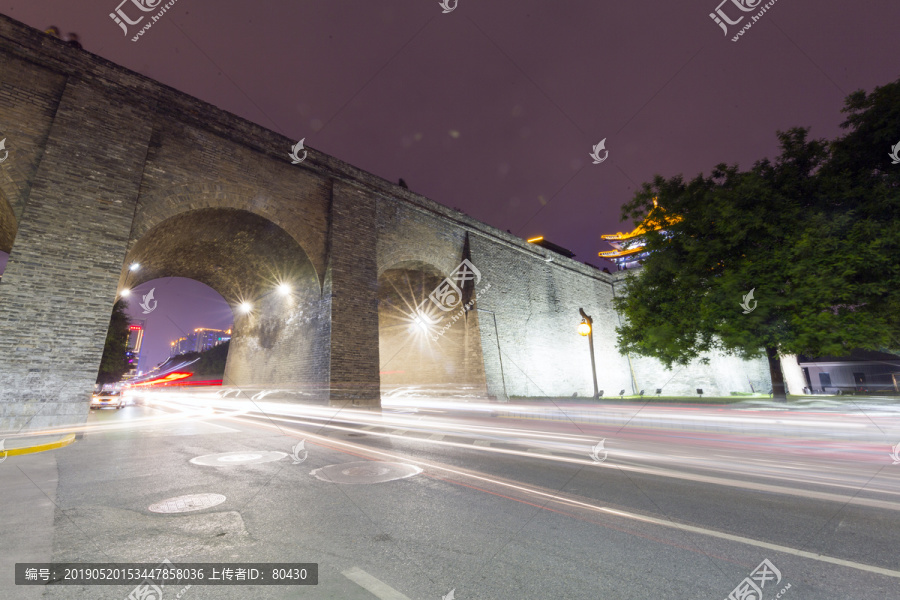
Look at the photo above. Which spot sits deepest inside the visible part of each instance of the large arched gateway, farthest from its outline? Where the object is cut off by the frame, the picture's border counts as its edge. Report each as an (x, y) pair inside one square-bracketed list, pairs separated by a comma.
[(263, 273)]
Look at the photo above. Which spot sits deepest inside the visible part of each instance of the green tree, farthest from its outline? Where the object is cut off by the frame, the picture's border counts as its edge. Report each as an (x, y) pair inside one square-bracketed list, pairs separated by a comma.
[(809, 233), (862, 178), (114, 363), (211, 363)]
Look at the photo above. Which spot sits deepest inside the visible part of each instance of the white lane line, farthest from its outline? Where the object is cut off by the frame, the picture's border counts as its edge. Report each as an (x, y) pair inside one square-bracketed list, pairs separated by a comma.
[(539, 451), (436, 436), (399, 431), (481, 443), (373, 585), (369, 427), (759, 544)]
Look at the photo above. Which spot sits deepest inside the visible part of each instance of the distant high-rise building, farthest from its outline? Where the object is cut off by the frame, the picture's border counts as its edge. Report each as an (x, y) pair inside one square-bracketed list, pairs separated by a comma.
[(200, 340), (209, 338), (180, 346), (133, 347)]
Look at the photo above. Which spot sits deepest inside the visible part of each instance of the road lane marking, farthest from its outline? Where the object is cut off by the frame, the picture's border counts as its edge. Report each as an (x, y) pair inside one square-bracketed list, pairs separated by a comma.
[(436, 436), (539, 451), (369, 427), (760, 544), (481, 443), (228, 429), (399, 431), (373, 585)]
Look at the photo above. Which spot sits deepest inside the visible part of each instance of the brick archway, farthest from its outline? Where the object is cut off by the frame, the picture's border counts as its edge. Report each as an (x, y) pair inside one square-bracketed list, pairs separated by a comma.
[(423, 348), (245, 258)]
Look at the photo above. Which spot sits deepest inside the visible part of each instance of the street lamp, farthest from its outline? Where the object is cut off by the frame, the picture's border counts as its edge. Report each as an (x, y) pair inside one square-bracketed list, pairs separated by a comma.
[(586, 329), (126, 291)]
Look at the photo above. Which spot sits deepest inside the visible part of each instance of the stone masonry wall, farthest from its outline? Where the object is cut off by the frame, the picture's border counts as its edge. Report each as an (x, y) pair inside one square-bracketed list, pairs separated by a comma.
[(535, 342), (353, 281), (104, 160), (62, 274)]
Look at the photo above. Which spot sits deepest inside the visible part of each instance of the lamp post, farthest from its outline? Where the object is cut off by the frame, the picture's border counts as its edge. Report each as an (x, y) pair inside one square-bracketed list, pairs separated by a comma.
[(586, 329)]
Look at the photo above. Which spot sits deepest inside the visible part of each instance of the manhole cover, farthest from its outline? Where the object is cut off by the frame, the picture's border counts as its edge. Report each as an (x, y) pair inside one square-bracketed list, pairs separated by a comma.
[(365, 472), (180, 504), (227, 459)]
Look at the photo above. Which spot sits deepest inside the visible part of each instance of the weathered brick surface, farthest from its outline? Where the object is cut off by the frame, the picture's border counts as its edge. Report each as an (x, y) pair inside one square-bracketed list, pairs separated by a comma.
[(107, 167), (60, 283), (416, 251), (353, 277), (529, 319), (189, 168), (29, 96)]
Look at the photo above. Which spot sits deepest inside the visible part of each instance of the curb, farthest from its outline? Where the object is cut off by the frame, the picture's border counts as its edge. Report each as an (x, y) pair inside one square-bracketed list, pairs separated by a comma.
[(65, 441)]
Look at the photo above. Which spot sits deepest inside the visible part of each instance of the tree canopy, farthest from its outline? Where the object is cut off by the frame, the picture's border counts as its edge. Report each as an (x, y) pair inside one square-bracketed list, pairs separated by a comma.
[(114, 363), (814, 233)]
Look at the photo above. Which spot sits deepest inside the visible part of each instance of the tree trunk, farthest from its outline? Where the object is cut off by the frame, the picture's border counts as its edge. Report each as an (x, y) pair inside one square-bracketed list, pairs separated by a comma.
[(778, 393)]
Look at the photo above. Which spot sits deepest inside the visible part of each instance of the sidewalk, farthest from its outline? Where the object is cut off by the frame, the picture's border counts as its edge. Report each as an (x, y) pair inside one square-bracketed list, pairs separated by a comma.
[(27, 497)]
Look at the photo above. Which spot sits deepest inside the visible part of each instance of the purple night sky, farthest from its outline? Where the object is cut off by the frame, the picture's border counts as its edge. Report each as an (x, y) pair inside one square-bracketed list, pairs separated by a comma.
[(494, 107)]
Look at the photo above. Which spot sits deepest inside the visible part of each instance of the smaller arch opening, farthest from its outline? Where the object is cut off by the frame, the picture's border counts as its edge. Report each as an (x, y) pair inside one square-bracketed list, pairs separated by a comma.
[(425, 347)]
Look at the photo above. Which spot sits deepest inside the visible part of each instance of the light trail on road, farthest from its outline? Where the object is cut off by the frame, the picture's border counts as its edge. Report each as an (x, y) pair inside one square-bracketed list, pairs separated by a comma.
[(824, 469), (572, 502)]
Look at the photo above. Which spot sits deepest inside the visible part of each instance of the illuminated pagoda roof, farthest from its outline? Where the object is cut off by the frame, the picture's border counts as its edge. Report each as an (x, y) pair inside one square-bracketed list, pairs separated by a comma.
[(629, 247)]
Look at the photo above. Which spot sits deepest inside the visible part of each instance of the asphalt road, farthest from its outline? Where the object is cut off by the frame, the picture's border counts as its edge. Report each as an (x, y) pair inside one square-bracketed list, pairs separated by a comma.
[(494, 501)]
